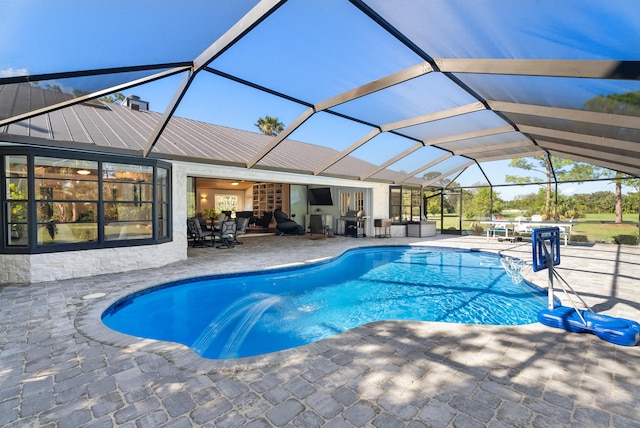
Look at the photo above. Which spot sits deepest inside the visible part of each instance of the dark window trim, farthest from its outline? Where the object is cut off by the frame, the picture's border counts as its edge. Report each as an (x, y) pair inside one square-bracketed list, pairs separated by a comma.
[(418, 207), (34, 248)]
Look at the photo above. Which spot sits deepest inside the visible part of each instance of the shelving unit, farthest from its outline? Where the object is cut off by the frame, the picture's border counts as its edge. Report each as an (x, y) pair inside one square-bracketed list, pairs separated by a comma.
[(269, 196)]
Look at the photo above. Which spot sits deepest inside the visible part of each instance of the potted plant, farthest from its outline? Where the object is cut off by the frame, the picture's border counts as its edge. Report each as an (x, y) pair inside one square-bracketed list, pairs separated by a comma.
[(210, 213)]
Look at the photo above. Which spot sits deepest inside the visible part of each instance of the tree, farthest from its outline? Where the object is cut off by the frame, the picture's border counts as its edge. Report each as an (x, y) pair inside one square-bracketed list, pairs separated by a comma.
[(18, 209), (564, 169), (113, 98), (569, 207), (618, 182), (444, 182), (269, 125), (635, 184), (537, 163), (627, 104), (601, 201), (432, 204), (431, 200), (481, 200)]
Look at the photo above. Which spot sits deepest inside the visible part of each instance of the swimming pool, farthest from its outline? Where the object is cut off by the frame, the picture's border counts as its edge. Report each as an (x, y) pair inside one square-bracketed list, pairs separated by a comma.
[(242, 315)]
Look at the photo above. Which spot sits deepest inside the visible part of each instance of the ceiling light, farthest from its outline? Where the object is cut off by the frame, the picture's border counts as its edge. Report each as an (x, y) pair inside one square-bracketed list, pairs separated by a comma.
[(235, 183), (83, 172)]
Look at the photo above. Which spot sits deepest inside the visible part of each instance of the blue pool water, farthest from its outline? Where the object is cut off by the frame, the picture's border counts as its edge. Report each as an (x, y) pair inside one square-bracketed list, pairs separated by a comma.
[(242, 315)]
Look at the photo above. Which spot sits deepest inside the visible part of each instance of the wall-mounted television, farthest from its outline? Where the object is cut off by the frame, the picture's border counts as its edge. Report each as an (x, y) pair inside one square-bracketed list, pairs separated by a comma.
[(320, 196)]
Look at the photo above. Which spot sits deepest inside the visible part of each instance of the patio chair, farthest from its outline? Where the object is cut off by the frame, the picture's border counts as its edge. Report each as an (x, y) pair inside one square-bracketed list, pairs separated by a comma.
[(227, 234), (247, 214), (316, 226), (203, 222), (197, 235), (564, 235), (284, 224), (521, 228), (217, 220), (241, 228)]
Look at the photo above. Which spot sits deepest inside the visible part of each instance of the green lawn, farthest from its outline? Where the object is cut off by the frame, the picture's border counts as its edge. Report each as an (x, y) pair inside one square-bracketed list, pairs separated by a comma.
[(591, 228), (599, 217), (602, 228), (625, 233)]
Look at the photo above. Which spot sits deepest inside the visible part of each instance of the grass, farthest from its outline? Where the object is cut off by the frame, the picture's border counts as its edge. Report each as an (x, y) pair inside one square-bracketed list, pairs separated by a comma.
[(602, 228), (626, 218), (591, 228), (611, 233)]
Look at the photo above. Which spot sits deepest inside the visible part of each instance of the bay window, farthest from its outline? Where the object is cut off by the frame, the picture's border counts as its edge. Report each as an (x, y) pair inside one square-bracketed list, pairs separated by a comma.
[(57, 201)]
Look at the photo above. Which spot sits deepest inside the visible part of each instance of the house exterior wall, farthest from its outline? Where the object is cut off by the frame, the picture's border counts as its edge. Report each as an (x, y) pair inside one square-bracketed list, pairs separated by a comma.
[(377, 204), (34, 268), (16, 268)]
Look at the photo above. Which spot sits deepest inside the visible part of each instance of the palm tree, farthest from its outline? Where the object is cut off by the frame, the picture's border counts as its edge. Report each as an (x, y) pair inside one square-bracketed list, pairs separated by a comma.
[(269, 125)]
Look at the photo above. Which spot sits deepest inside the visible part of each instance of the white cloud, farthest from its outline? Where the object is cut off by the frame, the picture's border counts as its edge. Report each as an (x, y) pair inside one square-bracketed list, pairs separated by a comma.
[(12, 72), (570, 190)]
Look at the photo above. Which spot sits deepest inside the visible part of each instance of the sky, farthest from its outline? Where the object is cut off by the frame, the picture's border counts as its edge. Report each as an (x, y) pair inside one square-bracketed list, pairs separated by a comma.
[(334, 39)]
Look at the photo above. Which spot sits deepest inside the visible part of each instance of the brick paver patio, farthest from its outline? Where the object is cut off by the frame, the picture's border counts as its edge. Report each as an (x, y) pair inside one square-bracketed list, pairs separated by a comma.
[(60, 367)]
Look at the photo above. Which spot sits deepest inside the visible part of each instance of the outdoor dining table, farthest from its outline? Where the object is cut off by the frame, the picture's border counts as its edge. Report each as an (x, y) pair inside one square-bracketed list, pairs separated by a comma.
[(513, 226)]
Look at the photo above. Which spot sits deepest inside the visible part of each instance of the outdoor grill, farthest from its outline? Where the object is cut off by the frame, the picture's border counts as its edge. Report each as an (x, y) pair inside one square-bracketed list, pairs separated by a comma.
[(354, 223)]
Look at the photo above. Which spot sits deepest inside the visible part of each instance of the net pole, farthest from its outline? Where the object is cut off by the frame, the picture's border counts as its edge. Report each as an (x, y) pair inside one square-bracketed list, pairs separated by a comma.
[(550, 281), (549, 260)]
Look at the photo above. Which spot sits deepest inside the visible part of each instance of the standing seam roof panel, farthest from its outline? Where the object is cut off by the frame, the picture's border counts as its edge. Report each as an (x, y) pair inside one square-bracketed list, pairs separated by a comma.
[(214, 144)]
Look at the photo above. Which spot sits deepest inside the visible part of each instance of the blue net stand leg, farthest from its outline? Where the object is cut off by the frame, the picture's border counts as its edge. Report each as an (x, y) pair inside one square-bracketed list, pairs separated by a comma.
[(546, 254)]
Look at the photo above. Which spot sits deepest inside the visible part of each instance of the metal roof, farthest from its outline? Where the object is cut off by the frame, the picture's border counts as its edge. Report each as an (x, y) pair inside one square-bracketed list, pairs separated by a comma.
[(403, 91), (113, 127)]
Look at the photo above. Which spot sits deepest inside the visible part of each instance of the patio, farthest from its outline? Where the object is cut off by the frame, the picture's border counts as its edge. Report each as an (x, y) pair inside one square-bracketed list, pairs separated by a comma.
[(61, 367)]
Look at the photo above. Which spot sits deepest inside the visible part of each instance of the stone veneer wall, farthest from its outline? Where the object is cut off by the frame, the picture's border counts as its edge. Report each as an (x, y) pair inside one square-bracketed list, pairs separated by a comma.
[(33, 268), (16, 268)]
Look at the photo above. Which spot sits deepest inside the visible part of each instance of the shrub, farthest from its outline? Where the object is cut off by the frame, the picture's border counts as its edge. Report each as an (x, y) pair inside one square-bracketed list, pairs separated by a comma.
[(626, 239), (477, 230), (579, 238)]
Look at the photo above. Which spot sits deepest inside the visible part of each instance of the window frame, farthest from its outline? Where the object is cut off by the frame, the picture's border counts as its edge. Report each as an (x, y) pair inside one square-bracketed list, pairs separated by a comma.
[(161, 205), (401, 212)]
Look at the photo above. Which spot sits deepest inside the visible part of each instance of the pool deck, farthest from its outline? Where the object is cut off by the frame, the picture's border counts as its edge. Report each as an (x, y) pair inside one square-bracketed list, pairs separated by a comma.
[(59, 367)]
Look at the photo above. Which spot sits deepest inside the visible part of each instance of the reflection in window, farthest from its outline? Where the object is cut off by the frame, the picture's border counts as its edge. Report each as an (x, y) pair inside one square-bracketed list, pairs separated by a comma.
[(404, 204), (15, 206), (191, 196), (345, 203), (395, 204), (66, 193), (47, 201), (162, 202), (128, 195), (359, 201)]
